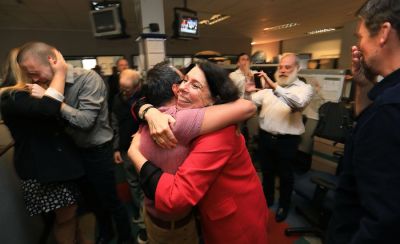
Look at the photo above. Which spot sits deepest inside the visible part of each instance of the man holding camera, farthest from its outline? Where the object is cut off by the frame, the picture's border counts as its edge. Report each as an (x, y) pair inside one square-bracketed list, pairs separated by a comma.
[(243, 77), (281, 125)]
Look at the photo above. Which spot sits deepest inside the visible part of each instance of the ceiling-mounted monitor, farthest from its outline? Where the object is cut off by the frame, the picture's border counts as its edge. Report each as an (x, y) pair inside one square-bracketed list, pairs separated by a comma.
[(186, 24), (106, 19)]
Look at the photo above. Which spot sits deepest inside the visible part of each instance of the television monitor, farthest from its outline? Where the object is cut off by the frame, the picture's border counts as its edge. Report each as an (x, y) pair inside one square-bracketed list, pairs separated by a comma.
[(107, 22), (186, 24)]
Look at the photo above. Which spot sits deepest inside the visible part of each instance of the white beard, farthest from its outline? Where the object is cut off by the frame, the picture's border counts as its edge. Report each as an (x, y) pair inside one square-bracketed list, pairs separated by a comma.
[(285, 81)]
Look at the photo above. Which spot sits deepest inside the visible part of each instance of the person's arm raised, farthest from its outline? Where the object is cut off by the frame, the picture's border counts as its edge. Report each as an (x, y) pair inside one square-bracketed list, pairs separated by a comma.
[(219, 116), (59, 67)]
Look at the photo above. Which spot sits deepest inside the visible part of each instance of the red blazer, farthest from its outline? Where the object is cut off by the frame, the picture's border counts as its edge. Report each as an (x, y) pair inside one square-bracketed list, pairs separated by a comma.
[(219, 177)]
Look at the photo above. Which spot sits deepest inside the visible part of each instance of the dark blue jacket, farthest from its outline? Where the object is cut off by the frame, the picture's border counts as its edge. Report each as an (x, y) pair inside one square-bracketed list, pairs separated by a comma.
[(367, 203)]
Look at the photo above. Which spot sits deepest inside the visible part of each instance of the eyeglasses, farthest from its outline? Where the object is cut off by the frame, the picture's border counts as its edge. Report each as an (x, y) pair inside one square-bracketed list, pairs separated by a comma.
[(195, 85)]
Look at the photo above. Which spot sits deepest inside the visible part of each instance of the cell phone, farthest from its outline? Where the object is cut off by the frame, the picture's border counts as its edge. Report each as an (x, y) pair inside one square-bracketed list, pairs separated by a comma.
[(257, 81)]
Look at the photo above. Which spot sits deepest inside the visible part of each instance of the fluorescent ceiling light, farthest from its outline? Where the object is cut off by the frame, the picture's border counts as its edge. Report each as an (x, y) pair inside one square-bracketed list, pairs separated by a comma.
[(321, 31), (214, 19), (279, 27)]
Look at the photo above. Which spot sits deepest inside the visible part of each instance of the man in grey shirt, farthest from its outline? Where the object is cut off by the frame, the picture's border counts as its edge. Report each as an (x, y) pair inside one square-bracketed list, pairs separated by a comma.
[(85, 109)]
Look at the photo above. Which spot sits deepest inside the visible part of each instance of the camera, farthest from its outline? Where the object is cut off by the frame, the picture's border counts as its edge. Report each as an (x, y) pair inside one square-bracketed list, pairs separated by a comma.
[(257, 81)]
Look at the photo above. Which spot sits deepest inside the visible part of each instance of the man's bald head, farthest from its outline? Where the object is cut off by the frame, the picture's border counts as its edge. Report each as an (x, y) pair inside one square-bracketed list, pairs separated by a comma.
[(129, 80)]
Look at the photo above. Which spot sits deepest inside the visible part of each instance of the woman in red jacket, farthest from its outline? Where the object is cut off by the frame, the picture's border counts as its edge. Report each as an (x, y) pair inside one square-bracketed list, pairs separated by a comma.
[(217, 176)]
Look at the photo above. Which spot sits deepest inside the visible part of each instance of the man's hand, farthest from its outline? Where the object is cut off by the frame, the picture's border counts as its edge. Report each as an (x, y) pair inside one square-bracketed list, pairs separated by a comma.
[(160, 128), (58, 64), (361, 75), (118, 157), (269, 84), (35, 90), (250, 87)]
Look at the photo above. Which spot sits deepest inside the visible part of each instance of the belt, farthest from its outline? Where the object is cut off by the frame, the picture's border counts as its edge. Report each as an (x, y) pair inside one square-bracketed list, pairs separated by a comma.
[(98, 147), (173, 224), (280, 136)]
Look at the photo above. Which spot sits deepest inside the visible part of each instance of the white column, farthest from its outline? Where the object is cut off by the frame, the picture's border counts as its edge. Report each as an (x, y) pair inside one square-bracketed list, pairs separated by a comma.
[(151, 44)]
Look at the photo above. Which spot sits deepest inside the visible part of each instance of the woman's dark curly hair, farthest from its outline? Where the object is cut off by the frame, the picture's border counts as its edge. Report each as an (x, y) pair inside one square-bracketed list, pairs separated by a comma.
[(222, 88)]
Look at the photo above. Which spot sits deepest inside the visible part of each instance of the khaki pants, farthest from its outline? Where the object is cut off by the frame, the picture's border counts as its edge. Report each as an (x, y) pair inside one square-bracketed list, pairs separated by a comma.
[(186, 234)]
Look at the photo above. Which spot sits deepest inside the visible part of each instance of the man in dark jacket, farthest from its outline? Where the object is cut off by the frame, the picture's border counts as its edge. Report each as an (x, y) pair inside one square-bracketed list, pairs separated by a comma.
[(124, 126), (367, 204), (113, 82)]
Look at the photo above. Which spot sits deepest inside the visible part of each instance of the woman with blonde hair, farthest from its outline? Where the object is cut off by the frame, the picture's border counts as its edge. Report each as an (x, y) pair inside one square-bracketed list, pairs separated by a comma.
[(45, 159), (11, 71)]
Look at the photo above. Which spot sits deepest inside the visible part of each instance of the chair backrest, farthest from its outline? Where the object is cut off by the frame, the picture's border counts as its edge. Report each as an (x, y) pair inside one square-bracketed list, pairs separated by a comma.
[(334, 122)]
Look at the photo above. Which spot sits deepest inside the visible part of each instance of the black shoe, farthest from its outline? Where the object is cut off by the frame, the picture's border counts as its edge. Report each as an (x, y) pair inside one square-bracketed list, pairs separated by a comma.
[(142, 236), (281, 214)]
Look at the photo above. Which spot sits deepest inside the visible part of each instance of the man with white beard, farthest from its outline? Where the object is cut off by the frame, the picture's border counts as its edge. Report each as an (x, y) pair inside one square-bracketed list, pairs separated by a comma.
[(281, 125)]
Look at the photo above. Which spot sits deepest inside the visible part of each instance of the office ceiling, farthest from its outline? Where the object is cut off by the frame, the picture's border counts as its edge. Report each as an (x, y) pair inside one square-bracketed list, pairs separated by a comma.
[(248, 17)]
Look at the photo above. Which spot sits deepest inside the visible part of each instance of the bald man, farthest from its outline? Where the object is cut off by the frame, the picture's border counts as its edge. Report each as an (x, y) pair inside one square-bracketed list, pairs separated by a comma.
[(124, 126), (113, 81)]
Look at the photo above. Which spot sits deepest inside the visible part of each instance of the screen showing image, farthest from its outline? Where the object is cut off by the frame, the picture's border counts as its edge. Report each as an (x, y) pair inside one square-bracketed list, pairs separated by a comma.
[(188, 25)]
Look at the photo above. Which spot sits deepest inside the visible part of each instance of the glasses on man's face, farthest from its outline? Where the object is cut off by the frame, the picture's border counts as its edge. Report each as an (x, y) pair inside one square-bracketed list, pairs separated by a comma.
[(195, 85)]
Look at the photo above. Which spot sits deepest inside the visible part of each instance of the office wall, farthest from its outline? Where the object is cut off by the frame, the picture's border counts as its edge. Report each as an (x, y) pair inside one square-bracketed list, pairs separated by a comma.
[(326, 45), (227, 45), (71, 43), (80, 43), (271, 50), (348, 40), (336, 44)]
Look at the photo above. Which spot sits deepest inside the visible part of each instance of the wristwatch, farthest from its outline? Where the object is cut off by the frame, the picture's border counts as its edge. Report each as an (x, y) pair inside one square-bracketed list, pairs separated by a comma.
[(141, 116)]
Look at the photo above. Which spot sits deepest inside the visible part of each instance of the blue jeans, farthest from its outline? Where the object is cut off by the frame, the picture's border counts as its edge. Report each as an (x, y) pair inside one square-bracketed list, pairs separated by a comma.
[(101, 191)]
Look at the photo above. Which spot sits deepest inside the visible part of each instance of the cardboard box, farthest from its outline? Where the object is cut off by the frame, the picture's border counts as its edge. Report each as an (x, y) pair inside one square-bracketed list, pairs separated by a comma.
[(323, 158)]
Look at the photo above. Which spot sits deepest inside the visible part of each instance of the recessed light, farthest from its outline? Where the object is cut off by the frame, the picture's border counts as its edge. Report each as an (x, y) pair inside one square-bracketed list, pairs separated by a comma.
[(214, 19), (319, 31), (279, 27)]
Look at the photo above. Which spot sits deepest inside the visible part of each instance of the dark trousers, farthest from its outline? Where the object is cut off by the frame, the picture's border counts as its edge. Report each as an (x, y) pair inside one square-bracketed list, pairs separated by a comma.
[(100, 191), (277, 155)]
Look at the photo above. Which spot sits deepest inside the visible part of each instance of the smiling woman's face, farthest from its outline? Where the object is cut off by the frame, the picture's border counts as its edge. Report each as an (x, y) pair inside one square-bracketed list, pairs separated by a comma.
[(194, 91)]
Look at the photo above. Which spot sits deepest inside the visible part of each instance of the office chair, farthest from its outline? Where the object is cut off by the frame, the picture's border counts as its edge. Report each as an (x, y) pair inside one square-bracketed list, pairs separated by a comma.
[(317, 188)]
